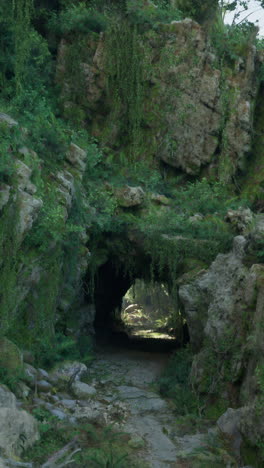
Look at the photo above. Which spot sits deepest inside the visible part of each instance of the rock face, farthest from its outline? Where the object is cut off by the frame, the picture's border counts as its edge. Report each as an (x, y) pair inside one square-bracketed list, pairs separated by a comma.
[(18, 429), (184, 123), (225, 312), (77, 157), (23, 204)]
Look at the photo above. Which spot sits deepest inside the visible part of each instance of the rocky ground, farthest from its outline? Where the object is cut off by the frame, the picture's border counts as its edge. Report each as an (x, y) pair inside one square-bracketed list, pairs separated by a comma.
[(127, 380), (118, 389)]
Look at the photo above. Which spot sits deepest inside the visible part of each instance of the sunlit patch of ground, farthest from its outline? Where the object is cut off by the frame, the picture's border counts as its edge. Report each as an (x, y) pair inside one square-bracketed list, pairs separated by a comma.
[(150, 333)]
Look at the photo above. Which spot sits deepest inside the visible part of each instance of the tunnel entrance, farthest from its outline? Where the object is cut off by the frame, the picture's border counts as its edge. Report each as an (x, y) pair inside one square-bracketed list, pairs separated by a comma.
[(149, 311), (134, 312)]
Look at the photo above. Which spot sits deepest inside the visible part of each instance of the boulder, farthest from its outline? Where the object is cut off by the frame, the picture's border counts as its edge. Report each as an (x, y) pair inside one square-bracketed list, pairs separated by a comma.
[(18, 429), (43, 374), (67, 403), (69, 370), (58, 413), (30, 373), (241, 219), (159, 199), (136, 442), (210, 299), (7, 398), (7, 120), (22, 390), (128, 197), (23, 173), (11, 357), (229, 425), (92, 413), (82, 390), (44, 386)]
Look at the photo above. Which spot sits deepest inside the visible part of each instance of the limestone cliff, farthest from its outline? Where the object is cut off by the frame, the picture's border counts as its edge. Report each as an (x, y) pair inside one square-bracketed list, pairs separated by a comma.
[(71, 249), (192, 113)]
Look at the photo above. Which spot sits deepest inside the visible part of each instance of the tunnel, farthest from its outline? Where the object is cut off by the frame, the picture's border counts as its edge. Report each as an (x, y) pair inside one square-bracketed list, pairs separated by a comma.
[(113, 286)]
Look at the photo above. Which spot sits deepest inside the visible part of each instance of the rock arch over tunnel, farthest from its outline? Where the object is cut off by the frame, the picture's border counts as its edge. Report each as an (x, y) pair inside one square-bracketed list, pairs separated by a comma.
[(112, 282)]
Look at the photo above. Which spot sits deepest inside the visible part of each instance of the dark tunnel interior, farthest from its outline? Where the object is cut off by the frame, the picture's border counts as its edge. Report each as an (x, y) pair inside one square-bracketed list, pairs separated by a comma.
[(111, 285)]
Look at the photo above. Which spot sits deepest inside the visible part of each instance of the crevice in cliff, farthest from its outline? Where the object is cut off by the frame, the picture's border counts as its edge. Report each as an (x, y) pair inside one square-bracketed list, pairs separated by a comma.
[(252, 178)]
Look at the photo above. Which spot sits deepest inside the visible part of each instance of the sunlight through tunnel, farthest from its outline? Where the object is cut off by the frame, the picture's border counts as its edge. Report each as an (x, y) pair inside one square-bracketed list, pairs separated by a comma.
[(136, 311)]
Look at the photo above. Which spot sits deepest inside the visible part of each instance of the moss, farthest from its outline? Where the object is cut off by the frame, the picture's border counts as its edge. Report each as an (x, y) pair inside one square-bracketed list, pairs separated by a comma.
[(10, 356), (251, 455), (215, 409)]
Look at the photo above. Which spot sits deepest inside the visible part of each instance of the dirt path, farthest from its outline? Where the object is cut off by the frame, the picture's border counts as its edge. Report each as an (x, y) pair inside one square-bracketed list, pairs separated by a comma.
[(127, 378)]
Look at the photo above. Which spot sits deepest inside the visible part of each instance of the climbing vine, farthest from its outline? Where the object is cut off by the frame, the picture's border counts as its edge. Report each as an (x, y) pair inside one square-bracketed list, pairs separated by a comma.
[(22, 15), (126, 71), (9, 266)]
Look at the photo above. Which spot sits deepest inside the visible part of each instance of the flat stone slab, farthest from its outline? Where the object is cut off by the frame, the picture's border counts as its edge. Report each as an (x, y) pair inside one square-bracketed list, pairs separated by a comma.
[(163, 451), (141, 400), (83, 390), (127, 392)]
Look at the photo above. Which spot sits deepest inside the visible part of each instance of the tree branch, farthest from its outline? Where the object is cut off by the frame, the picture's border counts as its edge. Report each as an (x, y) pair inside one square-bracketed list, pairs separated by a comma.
[(15, 463), (53, 460)]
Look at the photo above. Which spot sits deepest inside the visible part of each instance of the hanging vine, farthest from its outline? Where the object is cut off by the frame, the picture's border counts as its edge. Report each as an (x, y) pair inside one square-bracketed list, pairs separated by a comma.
[(22, 14), (125, 70)]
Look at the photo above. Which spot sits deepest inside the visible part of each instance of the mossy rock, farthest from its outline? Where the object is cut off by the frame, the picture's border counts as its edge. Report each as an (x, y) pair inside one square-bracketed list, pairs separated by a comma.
[(11, 357)]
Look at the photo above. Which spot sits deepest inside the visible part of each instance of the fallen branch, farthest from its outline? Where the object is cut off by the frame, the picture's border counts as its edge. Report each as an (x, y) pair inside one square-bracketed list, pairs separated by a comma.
[(16, 463), (52, 462)]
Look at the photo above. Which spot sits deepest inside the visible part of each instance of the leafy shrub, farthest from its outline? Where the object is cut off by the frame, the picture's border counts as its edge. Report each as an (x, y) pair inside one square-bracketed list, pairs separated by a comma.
[(175, 383), (200, 10), (139, 13), (78, 19), (9, 138), (11, 378), (232, 42), (107, 459), (60, 348)]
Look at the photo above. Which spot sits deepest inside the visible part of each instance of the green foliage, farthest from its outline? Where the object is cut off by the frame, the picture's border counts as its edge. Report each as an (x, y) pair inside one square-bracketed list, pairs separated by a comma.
[(9, 267), (126, 74), (108, 459), (171, 235), (45, 418), (175, 383), (60, 348), (22, 14), (53, 437), (146, 15), (99, 447), (47, 134), (201, 10), (11, 378), (220, 361), (76, 19), (9, 137), (232, 42)]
